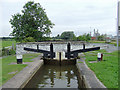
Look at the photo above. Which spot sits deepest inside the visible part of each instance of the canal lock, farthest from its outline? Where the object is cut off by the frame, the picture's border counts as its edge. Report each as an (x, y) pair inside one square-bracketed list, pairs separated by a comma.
[(58, 74)]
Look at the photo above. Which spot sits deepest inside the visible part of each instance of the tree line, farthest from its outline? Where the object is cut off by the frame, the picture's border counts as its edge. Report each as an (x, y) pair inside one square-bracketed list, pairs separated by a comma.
[(69, 35)]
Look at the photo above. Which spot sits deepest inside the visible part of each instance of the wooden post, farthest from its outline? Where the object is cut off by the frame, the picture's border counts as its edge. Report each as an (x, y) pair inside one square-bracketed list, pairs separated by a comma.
[(37, 46), (68, 50), (13, 46), (60, 58), (83, 46), (45, 55), (75, 55), (51, 51)]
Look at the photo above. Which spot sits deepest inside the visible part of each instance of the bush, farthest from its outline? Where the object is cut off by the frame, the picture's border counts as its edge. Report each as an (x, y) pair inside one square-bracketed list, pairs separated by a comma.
[(12, 52), (6, 51), (29, 39)]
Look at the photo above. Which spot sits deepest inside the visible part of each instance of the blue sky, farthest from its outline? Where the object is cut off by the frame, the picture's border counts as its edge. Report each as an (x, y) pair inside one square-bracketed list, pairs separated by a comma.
[(80, 16)]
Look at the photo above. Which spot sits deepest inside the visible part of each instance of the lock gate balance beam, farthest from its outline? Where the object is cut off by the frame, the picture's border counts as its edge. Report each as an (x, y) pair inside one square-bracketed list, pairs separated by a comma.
[(73, 54), (46, 54)]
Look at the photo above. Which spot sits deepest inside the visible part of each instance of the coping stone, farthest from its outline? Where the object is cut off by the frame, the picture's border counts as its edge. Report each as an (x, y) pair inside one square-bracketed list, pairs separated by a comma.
[(90, 77)]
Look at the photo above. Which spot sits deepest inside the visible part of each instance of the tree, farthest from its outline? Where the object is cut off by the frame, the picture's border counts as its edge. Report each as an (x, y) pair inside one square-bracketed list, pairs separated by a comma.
[(67, 35), (74, 37), (85, 37), (88, 37), (101, 38), (81, 38), (33, 22), (57, 37)]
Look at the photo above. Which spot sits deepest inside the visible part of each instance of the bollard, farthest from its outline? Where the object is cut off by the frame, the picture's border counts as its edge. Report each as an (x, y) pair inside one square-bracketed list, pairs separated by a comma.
[(99, 56), (19, 59)]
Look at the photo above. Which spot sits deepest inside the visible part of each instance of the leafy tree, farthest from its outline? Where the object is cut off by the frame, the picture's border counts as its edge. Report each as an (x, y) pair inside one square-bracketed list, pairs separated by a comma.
[(74, 37), (57, 37), (85, 37), (33, 22), (29, 39), (67, 35), (82, 38), (88, 37), (101, 38)]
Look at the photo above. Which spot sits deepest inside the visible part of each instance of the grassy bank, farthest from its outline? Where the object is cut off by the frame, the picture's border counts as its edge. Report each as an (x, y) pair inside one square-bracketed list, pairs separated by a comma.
[(112, 42), (106, 70), (96, 41), (8, 42), (0, 72), (9, 70)]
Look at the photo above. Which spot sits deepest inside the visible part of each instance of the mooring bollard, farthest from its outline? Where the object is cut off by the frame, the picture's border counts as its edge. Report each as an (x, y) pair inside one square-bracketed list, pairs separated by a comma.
[(19, 59), (99, 56)]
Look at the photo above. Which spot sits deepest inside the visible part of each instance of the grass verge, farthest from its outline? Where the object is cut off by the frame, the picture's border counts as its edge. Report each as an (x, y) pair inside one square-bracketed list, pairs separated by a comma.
[(106, 70), (112, 42), (9, 70), (8, 42)]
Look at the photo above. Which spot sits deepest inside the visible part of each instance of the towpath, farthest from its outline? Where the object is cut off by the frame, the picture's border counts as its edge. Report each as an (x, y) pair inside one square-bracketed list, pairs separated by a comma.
[(20, 79)]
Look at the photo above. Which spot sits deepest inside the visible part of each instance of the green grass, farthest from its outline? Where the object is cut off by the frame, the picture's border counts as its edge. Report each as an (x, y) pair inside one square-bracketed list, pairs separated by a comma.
[(106, 70), (0, 43), (97, 41), (0, 72), (112, 42), (80, 62), (8, 42), (7, 68)]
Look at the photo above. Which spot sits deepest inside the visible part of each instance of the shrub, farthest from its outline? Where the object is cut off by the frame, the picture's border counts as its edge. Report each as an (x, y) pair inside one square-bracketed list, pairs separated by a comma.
[(12, 52), (7, 51), (29, 39)]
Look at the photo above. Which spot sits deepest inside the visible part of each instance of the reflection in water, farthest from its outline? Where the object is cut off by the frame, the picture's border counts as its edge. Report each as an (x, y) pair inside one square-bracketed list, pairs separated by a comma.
[(55, 77)]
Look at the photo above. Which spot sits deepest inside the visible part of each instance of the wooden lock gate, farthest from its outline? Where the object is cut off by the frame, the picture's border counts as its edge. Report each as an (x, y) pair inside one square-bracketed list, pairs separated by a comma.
[(49, 56)]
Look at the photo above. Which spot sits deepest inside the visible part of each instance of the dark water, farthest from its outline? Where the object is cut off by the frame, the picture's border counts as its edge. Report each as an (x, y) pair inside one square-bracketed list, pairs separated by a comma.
[(55, 77)]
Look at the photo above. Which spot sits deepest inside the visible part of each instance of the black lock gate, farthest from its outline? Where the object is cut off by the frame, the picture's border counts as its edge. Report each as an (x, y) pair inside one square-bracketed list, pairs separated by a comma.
[(69, 54)]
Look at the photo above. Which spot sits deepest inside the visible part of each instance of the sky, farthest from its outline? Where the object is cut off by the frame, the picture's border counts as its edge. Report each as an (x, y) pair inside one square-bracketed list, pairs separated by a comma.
[(80, 16)]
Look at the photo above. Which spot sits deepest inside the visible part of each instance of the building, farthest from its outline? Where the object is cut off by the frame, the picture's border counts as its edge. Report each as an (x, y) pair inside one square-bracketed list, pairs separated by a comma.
[(95, 35)]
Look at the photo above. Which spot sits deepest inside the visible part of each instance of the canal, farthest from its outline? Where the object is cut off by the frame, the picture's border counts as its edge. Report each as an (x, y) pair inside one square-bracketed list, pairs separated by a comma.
[(53, 76)]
